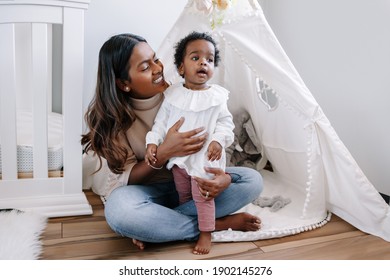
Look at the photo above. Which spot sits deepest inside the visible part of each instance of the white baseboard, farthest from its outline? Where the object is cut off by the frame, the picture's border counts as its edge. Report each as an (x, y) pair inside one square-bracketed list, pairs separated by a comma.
[(51, 206)]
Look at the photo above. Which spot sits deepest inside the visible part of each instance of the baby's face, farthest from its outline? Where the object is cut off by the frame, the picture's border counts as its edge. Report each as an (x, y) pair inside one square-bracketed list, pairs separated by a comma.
[(198, 64)]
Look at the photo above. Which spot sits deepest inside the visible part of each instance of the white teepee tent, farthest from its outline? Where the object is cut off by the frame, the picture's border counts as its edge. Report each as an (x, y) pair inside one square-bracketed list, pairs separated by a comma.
[(311, 166)]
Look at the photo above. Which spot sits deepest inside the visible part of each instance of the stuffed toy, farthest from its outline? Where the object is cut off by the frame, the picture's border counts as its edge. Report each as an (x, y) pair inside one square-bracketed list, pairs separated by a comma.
[(246, 148), (275, 203)]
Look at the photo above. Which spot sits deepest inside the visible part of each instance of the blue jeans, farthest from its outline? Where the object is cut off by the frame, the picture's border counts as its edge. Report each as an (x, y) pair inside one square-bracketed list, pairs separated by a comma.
[(151, 213)]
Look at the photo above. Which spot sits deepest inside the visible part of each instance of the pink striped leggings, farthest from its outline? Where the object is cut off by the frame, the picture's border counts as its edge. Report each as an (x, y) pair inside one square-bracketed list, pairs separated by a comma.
[(187, 188)]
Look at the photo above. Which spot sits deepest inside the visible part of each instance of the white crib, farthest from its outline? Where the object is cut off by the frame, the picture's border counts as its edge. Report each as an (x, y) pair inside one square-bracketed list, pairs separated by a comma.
[(50, 193)]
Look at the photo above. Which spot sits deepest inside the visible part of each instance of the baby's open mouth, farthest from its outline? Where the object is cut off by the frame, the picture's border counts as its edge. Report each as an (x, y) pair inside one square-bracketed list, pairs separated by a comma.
[(202, 71)]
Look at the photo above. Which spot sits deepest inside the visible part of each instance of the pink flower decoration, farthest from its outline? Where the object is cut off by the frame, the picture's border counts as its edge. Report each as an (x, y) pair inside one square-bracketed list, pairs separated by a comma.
[(204, 5)]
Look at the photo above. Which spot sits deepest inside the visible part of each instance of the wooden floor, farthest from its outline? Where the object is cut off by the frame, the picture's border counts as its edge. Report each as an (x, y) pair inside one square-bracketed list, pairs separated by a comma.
[(90, 238)]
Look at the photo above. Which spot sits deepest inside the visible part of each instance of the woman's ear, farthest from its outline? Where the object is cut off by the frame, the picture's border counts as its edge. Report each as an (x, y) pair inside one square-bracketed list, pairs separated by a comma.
[(123, 85)]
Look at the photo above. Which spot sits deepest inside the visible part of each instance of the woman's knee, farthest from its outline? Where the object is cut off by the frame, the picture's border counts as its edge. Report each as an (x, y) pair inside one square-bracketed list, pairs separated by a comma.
[(121, 205), (256, 181), (248, 179)]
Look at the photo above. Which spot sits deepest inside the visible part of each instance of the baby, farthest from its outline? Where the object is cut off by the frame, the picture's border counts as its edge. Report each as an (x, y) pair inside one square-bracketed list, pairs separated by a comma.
[(202, 105)]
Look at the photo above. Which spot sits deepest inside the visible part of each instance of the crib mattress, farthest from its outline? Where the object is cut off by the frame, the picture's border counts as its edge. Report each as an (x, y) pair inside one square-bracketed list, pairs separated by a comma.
[(25, 140)]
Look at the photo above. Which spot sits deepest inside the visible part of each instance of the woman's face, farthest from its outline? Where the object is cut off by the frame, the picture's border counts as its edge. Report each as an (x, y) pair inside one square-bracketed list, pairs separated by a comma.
[(146, 73)]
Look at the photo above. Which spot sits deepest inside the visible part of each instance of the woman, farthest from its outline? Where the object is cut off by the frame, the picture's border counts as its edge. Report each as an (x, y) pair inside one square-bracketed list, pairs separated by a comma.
[(140, 199)]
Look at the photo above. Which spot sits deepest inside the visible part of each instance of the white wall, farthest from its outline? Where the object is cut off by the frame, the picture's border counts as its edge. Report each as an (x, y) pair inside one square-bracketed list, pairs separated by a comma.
[(341, 48), (152, 19)]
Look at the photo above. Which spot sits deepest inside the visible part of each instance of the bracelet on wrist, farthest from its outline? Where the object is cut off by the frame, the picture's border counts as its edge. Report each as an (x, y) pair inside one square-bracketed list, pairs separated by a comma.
[(156, 168)]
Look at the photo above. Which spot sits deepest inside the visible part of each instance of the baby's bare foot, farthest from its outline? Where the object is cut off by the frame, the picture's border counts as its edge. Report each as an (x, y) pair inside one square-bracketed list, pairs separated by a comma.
[(140, 245), (240, 221), (203, 245)]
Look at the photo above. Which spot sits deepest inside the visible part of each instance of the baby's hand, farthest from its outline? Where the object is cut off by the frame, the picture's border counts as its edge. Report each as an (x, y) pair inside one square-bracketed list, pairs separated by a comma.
[(150, 156), (214, 151)]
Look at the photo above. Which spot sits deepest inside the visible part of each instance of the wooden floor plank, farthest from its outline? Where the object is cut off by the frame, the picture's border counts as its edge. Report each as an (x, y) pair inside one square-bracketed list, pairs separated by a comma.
[(93, 227), (183, 251), (84, 249), (52, 231), (363, 247), (310, 241), (80, 238)]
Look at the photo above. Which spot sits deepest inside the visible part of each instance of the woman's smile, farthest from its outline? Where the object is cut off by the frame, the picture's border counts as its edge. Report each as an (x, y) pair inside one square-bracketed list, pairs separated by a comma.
[(158, 80)]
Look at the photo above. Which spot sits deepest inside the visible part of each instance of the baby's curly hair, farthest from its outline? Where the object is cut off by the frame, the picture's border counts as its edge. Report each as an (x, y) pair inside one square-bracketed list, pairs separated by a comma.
[(180, 47)]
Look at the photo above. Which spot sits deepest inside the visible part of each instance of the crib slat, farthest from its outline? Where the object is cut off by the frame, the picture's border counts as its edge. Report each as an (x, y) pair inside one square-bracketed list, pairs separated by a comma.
[(72, 85), (8, 102), (40, 76)]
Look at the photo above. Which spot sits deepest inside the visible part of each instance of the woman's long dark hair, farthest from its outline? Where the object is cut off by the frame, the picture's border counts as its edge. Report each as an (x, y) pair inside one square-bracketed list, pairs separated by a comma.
[(110, 114)]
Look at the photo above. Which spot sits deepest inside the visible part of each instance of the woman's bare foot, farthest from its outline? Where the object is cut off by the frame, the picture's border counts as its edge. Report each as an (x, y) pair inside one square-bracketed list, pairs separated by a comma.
[(139, 244), (240, 221), (203, 245)]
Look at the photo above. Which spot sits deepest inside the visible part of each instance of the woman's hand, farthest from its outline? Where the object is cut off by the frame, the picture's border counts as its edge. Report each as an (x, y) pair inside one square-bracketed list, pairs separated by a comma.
[(177, 144), (211, 188)]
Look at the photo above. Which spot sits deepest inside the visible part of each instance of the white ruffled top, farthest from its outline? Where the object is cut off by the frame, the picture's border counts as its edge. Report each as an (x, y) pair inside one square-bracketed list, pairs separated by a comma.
[(200, 108)]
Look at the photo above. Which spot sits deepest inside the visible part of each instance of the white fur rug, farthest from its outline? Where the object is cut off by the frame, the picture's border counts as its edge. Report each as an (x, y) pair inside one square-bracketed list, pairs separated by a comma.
[(20, 235)]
